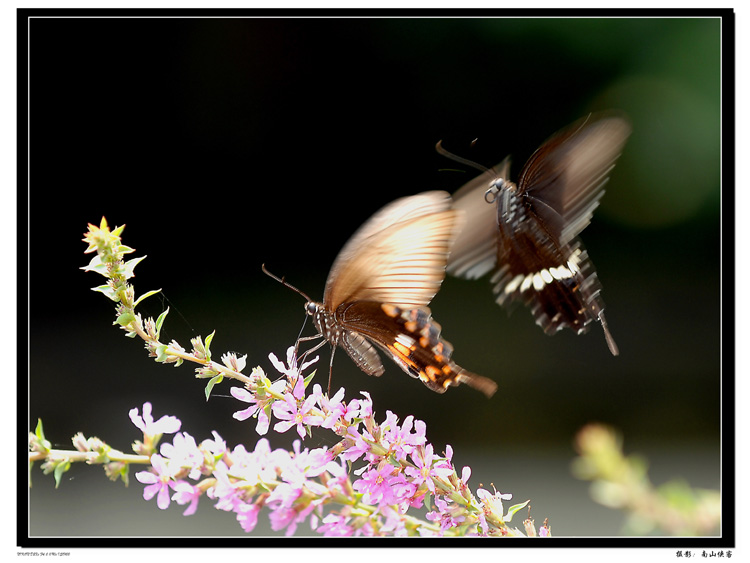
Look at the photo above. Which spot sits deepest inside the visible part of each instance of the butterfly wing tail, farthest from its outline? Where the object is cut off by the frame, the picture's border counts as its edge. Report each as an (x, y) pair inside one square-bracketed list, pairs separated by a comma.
[(608, 335), (480, 383)]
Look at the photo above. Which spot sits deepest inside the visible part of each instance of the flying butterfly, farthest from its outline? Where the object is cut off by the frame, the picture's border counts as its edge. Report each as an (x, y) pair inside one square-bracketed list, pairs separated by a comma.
[(529, 236), (378, 290)]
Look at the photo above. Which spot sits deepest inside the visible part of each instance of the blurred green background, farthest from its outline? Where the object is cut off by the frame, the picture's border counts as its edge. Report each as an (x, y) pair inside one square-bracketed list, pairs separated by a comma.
[(226, 143)]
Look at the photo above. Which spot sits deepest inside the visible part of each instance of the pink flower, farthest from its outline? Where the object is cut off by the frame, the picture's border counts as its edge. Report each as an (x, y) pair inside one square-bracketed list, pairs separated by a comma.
[(292, 372), (332, 408), (448, 515), (402, 441), (425, 470), (359, 446), (377, 485), (285, 511), (247, 516), (217, 446), (228, 497), (491, 504), (185, 493), (183, 452), (306, 463), (165, 425), (394, 523), (335, 525), (158, 481), (290, 413), (256, 406), (365, 406)]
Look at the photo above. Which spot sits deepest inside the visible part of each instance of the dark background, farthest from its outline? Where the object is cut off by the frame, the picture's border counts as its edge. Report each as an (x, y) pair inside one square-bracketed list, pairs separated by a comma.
[(226, 143)]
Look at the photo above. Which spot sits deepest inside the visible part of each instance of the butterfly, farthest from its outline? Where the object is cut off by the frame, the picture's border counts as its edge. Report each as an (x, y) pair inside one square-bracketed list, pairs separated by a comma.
[(378, 289), (529, 236)]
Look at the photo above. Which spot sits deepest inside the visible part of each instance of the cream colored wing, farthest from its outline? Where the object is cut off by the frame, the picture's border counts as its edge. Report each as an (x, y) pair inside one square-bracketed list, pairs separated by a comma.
[(398, 256), (475, 251)]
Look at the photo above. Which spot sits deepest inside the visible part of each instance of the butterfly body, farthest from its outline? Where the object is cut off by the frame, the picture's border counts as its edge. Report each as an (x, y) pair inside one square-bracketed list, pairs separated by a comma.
[(531, 239), (379, 288), (409, 336), (536, 270)]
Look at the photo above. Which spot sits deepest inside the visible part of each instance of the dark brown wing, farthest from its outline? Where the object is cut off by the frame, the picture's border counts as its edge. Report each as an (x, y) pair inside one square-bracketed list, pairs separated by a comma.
[(563, 180), (412, 339)]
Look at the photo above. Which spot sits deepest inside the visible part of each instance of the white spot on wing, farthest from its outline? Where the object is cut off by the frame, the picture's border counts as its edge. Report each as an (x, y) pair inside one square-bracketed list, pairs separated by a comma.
[(526, 283), (405, 339), (513, 284)]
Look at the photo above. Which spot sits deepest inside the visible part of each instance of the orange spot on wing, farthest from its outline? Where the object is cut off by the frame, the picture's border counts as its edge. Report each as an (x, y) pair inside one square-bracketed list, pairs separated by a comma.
[(401, 349), (432, 372), (390, 310)]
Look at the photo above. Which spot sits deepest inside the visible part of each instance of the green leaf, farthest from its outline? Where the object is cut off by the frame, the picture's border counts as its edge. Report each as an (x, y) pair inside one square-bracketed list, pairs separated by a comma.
[(160, 321), (144, 296), (125, 319), (308, 379), (513, 509), (161, 353), (39, 431), (209, 338), (118, 231), (61, 468), (124, 474), (108, 291), (129, 266), (210, 385), (96, 265), (122, 249)]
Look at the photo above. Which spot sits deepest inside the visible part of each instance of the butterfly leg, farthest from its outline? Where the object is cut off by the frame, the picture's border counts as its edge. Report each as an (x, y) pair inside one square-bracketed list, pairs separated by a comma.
[(305, 339), (311, 350), (330, 370)]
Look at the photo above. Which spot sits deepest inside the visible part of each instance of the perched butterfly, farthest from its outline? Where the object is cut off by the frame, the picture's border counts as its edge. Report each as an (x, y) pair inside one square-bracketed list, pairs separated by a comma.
[(379, 287), (530, 234)]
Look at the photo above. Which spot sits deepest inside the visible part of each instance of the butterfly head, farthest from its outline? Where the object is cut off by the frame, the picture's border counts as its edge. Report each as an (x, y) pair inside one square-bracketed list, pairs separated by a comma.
[(323, 321), (498, 184)]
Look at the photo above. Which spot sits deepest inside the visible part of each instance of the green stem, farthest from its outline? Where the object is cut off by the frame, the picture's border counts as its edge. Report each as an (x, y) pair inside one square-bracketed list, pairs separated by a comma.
[(90, 457)]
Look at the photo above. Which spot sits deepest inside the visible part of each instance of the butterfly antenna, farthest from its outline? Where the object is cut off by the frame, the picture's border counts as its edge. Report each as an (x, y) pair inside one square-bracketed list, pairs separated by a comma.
[(284, 283), (301, 330), (439, 148)]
